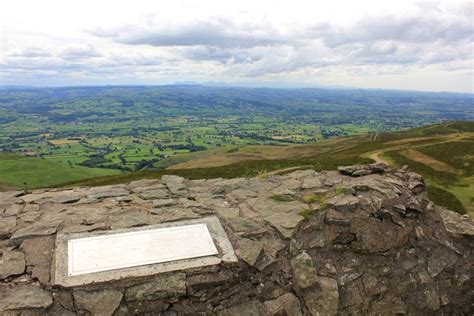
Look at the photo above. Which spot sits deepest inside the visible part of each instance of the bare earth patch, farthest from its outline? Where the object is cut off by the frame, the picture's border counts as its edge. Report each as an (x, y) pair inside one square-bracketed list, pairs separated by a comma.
[(429, 161)]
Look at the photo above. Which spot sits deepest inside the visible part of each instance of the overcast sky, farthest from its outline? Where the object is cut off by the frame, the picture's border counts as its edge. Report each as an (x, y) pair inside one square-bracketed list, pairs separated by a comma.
[(376, 44)]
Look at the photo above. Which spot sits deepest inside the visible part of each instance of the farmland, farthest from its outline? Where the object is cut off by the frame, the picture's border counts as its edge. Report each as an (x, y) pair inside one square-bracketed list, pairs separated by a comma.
[(52, 136)]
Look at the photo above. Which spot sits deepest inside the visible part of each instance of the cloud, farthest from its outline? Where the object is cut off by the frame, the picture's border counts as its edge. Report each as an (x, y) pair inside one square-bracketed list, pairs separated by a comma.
[(239, 46), (79, 52), (217, 32)]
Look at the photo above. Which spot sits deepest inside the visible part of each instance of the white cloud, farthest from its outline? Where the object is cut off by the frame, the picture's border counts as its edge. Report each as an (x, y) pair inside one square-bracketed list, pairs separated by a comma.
[(361, 43)]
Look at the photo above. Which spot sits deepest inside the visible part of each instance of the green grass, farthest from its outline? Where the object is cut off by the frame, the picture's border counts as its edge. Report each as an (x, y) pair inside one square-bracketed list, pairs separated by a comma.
[(282, 197), (313, 198), (445, 198), (31, 172), (307, 213)]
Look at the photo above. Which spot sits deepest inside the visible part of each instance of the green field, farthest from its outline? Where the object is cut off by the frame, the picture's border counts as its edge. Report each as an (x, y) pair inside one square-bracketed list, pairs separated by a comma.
[(453, 190), (30, 172)]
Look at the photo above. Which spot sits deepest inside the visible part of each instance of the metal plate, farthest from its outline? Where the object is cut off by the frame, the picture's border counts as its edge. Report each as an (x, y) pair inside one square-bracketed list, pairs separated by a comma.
[(137, 248)]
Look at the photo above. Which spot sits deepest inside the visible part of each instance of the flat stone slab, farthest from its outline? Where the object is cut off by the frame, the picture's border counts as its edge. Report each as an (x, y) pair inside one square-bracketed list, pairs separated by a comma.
[(85, 258)]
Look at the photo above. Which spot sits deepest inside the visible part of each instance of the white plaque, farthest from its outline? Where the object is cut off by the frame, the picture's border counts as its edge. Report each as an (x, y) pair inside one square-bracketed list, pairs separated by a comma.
[(137, 248)]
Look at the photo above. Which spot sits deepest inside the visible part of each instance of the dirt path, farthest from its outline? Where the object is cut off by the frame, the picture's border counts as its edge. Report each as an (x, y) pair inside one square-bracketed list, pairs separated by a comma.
[(376, 156)]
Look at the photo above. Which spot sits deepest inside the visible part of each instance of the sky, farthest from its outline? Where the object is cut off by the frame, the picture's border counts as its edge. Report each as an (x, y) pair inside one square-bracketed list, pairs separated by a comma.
[(365, 44)]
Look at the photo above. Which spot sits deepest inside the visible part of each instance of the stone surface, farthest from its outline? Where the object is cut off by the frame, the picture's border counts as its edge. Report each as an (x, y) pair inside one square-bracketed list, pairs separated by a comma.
[(7, 225), (304, 271), (38, 255), (101, 302), (455, 223), (11, 263), (371, 244), (169, 286), (249, 250), (253, 308), (22, 296), (286, 304)]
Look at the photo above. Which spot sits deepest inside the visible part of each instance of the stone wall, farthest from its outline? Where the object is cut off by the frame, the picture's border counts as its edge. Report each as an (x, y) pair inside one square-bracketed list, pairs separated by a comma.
[(362, 240)]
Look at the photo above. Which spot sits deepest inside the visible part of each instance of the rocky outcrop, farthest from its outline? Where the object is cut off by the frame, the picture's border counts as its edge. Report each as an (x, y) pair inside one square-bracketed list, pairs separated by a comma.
[(364, 240)]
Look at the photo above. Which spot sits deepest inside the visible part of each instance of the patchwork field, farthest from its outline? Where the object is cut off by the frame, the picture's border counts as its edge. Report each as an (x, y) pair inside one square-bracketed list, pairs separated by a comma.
[(442, 153)]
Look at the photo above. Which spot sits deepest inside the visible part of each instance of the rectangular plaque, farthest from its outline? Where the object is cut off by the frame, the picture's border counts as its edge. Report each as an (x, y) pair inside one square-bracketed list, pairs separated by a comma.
[(137, 248)]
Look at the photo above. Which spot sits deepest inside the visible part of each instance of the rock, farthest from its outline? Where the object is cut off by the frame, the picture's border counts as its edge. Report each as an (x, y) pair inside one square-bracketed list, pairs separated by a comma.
[(432, 299), (11, 263), (286, 304), (252, 308), (343, 202), (154, 194), (127, 217), (36, 229), (170, 287), (164, 203), (38, 255), (169, 214), (248, 250), (7, 225), (439, 260), (101, 302), (317, 240), (334, 217), (143, 184), (311, 183), (455, 223), (174, 183), (284, 216), (22, 296), (326, 300), (198, 282), (345, 238), (106, 192), (244, 225), (362, 170), (372, 235), (304, 272)]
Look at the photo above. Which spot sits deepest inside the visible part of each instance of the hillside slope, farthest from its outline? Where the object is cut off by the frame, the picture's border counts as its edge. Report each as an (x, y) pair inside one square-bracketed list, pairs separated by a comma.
[(442, 153)]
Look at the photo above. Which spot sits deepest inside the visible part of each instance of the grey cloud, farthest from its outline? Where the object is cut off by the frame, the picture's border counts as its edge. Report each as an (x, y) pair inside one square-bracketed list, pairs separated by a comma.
[(79, 52), (216, 33), (403, 29), (32, 53)]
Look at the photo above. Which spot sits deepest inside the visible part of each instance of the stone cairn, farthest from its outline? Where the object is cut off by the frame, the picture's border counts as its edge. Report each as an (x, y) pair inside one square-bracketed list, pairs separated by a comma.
[(363, 239)]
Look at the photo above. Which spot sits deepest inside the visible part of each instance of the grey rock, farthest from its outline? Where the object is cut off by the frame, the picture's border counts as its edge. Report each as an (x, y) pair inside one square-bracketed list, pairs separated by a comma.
[(286, 304), (304, 271), (22, 296), (100, 302), (38, 254), (252, 308), (169, 287), (154, 194), (455, 223), (174, 183), (7, 225), (343, 202), (11, 263), (283, 216), (34, 230), (106, 192), (248, 250), (164, 203), (334, 217), (198, 282), (326, 300)]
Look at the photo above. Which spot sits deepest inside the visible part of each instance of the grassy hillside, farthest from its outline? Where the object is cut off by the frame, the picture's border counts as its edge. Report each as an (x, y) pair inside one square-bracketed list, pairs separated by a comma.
[(442, 153), (30, 172)]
